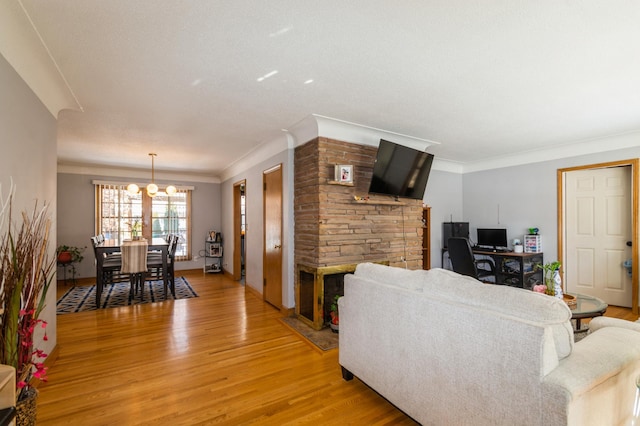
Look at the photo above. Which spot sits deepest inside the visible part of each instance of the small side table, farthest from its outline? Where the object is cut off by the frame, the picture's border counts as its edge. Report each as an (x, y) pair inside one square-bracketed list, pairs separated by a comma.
[(64, 269), (587, 307)]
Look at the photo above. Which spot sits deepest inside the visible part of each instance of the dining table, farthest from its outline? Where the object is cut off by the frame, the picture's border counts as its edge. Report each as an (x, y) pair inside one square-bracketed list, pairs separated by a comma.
[(109, 247)]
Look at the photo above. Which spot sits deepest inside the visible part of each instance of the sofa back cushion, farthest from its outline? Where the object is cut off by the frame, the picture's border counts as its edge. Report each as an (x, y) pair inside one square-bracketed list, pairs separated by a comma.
[(515, 302)]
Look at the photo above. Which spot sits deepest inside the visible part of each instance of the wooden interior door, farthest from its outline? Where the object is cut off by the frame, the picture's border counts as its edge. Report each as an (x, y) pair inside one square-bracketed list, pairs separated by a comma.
[(272, 257), (598, 227)]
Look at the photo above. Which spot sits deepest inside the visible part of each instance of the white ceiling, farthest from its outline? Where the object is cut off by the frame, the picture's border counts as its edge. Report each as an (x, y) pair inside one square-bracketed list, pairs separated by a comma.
[(484, 79)]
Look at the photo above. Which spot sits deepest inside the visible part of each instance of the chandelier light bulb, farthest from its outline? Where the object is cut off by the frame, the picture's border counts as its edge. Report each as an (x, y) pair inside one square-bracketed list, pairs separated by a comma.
[(152, 189), (171, 190), (132, 189)]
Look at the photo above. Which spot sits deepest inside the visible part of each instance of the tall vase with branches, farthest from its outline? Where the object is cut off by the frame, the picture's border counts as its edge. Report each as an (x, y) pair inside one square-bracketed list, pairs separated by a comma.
[(26, 271)]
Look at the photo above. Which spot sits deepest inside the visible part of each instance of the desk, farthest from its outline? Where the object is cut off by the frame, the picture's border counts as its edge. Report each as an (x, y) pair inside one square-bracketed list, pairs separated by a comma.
[(513, 269), (516, 269), (107, 247)]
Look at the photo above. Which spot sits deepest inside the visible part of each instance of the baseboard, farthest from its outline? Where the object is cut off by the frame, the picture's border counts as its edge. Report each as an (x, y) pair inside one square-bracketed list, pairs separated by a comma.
[(288, 312), (253, 291)]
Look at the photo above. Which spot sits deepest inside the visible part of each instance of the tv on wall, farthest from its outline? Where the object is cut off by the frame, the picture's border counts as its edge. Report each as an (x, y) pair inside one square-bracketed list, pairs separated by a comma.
[(400, 171)]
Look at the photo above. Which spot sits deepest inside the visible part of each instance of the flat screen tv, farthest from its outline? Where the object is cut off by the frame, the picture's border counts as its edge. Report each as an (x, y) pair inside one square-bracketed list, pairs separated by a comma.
[(400, 171), (496, 238)]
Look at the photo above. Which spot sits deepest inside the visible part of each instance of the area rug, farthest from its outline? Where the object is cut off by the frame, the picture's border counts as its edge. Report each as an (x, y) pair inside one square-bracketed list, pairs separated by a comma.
[(83, 298), (324, 339)]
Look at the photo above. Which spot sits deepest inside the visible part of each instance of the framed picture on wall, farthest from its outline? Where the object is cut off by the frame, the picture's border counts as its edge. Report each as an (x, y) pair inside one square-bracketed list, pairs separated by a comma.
[(215, 250), (344, 173)]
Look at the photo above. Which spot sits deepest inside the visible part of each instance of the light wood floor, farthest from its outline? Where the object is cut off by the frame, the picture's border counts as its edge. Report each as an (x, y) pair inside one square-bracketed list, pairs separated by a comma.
[(221, 358)]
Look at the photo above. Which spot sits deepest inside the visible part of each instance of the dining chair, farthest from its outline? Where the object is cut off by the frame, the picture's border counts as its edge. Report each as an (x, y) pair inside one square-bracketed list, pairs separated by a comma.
[(134, 263), (154, 262), (111, 262)]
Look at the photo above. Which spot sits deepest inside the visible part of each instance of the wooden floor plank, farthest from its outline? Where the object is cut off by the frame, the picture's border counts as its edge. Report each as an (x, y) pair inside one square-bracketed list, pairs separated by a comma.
[(222, 358)]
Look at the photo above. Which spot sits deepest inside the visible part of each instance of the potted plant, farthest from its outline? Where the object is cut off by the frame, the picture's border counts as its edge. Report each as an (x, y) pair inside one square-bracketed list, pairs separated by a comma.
[(68, 256), (26, 271), (551, 278), (136, 229), (333, 313)]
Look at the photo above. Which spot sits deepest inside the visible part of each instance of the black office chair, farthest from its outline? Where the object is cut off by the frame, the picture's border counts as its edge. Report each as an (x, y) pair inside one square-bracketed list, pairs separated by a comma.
[(464, 262)]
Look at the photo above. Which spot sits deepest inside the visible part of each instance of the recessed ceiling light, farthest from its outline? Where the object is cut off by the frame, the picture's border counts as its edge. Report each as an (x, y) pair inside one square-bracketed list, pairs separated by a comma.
[(280, 32), (309, 81), (267, 75)]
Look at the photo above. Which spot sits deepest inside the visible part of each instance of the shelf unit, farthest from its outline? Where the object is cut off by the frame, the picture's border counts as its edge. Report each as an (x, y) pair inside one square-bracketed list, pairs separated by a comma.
[(380, 202), (336, 182), (532, 244), (213, 256), (519, 269), (426, 237)]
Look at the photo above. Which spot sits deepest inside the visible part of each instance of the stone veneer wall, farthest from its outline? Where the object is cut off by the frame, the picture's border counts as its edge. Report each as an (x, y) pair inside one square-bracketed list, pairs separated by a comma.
[(332, 229)]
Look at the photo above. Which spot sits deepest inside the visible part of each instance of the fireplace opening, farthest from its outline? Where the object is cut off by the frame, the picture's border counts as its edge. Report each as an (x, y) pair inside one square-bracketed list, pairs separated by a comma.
[(316, 287), (315, 291), (306, 290), (333, 286)]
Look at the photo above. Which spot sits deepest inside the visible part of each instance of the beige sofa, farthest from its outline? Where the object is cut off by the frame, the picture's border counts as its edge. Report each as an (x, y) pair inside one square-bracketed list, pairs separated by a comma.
[(447, 349), (7, 391)]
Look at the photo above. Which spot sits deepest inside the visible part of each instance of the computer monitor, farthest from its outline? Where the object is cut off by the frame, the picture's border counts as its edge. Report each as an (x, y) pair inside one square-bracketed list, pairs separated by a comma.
[(492, 237)]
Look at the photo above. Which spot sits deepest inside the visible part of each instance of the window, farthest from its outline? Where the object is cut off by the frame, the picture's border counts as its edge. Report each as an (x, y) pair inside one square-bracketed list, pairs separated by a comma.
[(121, 215)]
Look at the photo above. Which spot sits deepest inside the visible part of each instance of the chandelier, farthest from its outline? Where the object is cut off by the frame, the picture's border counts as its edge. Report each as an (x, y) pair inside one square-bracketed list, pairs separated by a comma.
[(152, 188)]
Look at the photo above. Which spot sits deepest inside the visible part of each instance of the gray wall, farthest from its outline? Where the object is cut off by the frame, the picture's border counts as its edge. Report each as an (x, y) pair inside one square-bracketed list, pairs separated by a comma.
[(28, 147), (255, 226), (76, 217), (517, 198), (444, 195)]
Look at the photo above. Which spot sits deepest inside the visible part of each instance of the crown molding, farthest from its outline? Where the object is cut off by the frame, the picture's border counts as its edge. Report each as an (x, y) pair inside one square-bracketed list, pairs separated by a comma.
[(574, 149), (316, 125), (133, 173), (22, 46), (256, 156)]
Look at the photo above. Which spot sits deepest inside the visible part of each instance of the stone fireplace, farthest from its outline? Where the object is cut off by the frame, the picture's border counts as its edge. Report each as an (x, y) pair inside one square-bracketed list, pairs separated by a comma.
[(338, 225)]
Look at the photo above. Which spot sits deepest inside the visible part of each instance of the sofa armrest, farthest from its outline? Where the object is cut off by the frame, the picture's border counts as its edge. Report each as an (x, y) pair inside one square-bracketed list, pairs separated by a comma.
[(595, 385), (601, 322)]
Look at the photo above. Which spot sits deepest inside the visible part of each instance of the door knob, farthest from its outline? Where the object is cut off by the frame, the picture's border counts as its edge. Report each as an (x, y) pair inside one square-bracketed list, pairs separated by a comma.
[(629, 243)]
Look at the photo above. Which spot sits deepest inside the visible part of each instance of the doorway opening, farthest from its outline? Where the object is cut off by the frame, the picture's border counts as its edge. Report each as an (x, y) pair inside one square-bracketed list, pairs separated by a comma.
[(593, 262), (239, 231)]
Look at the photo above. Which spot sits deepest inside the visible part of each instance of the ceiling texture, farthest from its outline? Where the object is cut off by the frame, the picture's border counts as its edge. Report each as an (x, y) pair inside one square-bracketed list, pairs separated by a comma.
[(203, 83)]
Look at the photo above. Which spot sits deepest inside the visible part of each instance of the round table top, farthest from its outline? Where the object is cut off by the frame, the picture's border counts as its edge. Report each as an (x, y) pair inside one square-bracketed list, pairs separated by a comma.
[(588, 306)]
